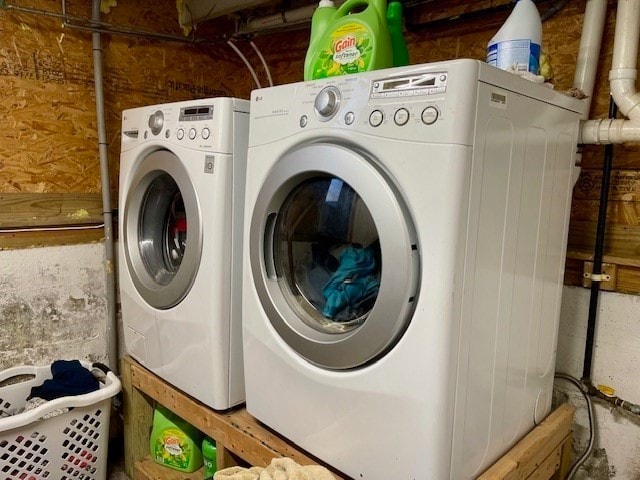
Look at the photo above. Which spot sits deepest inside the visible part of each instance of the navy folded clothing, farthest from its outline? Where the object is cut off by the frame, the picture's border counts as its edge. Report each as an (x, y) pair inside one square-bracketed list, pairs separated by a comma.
[(69, 378)]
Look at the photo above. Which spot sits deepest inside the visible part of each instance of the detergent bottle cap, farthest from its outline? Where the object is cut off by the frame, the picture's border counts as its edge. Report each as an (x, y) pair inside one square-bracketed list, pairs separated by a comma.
[(326, 3)]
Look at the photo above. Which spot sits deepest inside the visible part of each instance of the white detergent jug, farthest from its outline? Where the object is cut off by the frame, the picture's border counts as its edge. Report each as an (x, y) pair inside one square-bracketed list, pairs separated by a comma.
[(516, 46)]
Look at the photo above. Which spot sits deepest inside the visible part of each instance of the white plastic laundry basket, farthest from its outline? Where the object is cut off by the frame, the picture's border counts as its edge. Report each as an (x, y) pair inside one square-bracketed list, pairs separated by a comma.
[(69, 446)]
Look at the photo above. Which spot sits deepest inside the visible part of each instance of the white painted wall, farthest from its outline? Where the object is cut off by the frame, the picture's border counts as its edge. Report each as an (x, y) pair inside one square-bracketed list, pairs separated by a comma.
[(52, 305), (616, 363)]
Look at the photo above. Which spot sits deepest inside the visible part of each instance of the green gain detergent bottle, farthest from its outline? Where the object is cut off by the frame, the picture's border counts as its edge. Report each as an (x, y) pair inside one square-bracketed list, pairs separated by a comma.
[(175, 443), (351, 39)]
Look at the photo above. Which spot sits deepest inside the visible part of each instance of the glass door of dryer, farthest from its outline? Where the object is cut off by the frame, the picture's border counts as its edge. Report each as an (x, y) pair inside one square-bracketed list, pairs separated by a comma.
[(162, 234), (334, 256)]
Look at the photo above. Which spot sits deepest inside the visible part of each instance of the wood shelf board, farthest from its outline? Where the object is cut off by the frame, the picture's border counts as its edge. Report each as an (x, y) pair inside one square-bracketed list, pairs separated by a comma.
[(19, 210), (147, 469), (530, 453), (543, 454), (236, 429), (47, 238)]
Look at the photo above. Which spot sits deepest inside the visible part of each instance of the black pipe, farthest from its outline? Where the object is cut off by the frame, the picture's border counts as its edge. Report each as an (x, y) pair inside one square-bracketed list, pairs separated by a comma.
[(598, 250)]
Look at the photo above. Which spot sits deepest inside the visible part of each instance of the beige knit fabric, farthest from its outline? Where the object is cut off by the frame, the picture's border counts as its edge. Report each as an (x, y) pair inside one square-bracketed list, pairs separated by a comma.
[(279, 469)]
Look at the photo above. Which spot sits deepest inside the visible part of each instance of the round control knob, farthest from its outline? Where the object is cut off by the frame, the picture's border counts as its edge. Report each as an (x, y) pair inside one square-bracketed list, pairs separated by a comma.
[(327, 102), (401, 117), (206, 133), (180, 134), (156, 121), (376, 118), (349, 118), (430, 115), (192, 133)]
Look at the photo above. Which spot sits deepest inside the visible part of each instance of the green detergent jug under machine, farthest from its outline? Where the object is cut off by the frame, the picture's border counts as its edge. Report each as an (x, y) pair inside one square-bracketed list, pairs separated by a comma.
[(350, 39)]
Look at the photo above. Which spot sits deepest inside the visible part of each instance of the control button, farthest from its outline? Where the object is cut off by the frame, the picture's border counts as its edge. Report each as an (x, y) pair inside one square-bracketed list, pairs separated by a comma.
[(377, 95), (401, 117), (405, 93), (156, 121), (180, 134), (206, 133), (192, 133), (349, 118), (146, 134), (376, 117), (327, 102), (430, 115), (391, 94), (167, 134), (443, 78), (303, 121)]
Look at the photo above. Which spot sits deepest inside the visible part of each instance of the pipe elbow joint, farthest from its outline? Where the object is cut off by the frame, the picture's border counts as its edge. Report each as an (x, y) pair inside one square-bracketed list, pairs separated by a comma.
[(623, 90)]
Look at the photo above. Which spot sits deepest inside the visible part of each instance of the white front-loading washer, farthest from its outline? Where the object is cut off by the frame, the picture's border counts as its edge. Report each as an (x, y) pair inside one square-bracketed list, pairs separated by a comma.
[(405, 235), (182, 173)]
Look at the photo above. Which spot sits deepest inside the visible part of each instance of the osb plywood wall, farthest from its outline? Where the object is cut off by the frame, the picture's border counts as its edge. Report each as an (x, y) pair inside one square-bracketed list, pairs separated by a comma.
[(48, 133), (48, 139)]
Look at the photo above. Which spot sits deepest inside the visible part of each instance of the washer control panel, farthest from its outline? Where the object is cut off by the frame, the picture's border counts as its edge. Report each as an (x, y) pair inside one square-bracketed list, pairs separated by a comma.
[(207, 124)]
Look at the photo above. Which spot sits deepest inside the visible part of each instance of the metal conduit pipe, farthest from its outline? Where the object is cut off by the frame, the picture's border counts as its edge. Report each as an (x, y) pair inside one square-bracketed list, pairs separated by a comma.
[(598, 253), (109, 266)]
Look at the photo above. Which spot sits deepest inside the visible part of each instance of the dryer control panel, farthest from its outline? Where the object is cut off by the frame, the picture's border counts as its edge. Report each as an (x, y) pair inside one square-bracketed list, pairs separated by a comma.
[(423, 103)]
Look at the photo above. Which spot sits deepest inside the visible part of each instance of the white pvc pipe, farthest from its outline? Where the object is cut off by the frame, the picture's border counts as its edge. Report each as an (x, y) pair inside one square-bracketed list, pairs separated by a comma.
[(606, 130), (622, 79), (623, 73), (589, 52)]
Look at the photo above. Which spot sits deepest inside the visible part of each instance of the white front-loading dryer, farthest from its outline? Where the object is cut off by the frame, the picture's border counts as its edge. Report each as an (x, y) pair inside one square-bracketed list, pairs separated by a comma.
[(182, 173), (405, 234)]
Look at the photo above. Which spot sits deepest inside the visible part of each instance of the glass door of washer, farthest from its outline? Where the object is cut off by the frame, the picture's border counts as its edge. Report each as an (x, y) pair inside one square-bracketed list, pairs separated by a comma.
[(334, 256), (162, 234)]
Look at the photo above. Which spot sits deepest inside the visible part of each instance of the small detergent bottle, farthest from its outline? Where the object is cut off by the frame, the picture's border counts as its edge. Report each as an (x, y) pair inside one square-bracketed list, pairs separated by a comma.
[(209, 456), (516, 46), (398, 43), (351, 39), (175, 443)]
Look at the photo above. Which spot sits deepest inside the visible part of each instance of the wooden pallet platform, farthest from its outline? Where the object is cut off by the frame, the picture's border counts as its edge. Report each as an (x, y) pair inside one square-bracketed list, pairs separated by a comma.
[(544, 454)]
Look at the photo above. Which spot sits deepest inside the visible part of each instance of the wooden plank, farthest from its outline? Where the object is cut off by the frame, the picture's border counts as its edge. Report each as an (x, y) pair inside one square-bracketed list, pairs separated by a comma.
[(565, 459), (138, 418), (44, 209), (147, 469), (45, 238), (620, 240), (628, 280), (627, 272), (225, 458), (548, 467), (528, 454), (235, 430)]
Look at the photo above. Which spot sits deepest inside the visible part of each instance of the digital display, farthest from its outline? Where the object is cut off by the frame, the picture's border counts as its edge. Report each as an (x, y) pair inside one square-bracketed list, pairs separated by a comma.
[(196, 113), (433, 83), (395, 83)]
